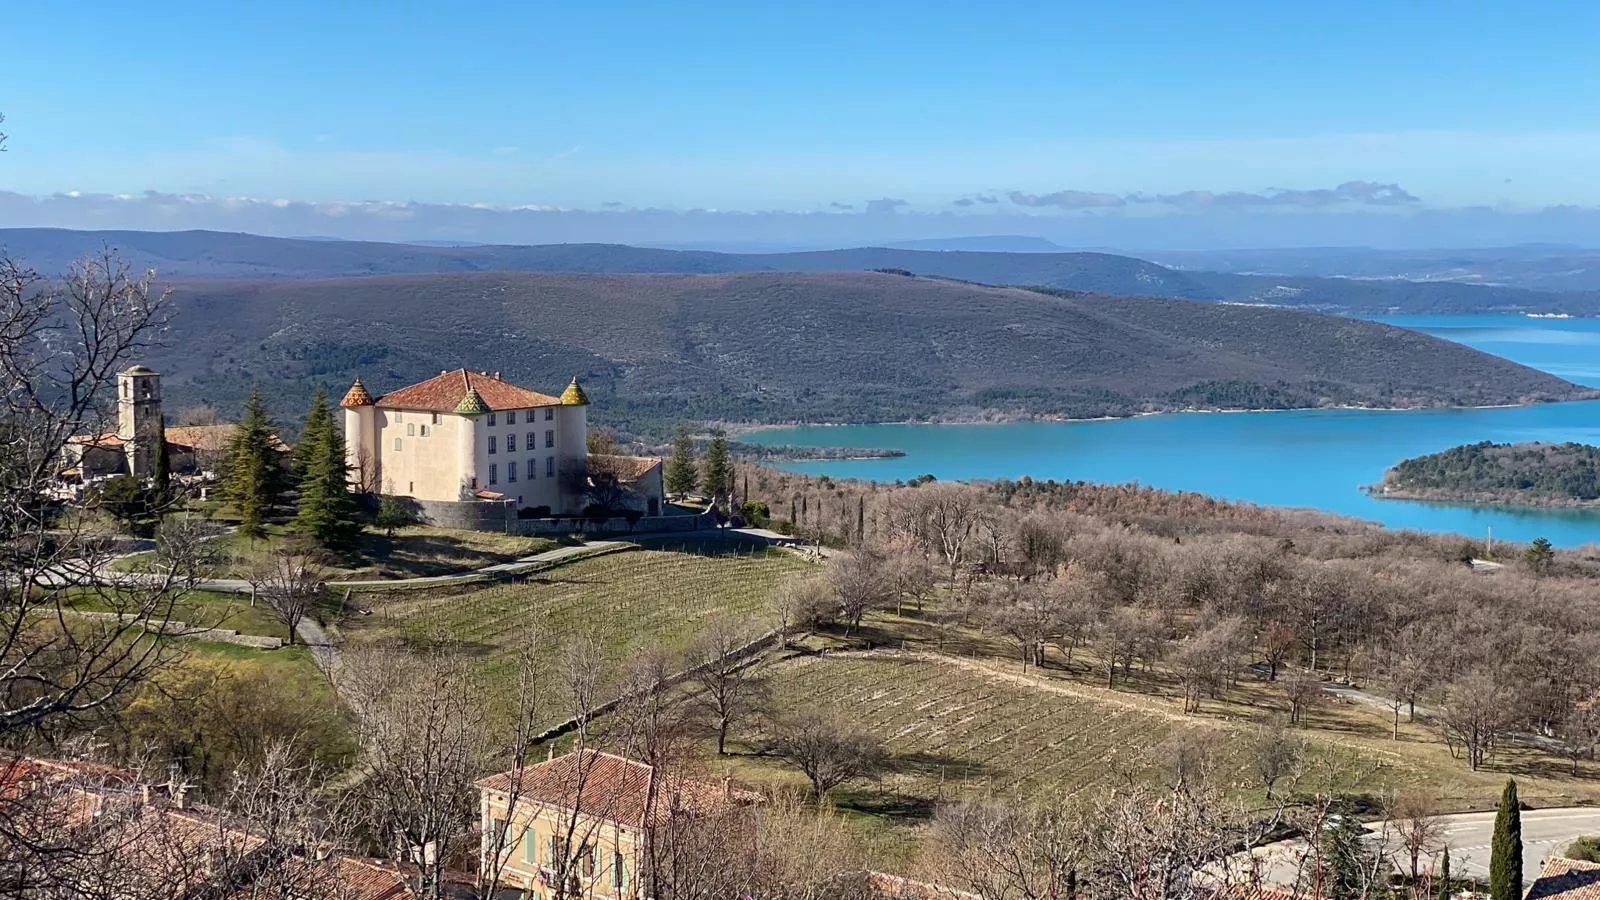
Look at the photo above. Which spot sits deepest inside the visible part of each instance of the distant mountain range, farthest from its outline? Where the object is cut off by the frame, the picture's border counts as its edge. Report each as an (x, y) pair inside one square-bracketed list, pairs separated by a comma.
[(205, 254), (828, 347)]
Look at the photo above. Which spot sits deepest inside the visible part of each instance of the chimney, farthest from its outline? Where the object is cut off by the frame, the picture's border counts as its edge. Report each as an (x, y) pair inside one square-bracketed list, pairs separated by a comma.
[(497, 376), (444, 371), (179, 791), (552, 754), (145, 794), (727, 784)]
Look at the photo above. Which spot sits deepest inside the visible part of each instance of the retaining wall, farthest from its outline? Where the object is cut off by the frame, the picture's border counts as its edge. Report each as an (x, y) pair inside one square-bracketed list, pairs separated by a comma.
[(613, 526), (471, 515)]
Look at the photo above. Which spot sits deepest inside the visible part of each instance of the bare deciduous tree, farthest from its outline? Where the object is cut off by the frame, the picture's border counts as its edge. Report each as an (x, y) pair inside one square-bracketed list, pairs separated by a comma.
[(729, 690), (62, 344), (828, 751), (1278, 754), (292, 583), (1476, 712)]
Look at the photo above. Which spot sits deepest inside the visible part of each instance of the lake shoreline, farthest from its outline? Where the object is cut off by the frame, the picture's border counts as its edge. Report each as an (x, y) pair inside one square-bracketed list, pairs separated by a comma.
[(745, 428), (1378, 492)]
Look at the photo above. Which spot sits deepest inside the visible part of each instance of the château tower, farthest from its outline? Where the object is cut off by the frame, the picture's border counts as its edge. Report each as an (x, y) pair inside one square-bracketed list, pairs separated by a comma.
[(139, 418)]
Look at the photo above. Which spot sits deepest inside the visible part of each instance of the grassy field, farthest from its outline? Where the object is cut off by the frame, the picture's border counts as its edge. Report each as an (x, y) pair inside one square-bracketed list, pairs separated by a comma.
[(640, 598), (197, 609), (965, 727), (415, 551)]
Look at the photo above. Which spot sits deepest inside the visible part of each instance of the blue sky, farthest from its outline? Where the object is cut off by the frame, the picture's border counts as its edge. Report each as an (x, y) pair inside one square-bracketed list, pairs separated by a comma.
[(821, 106)]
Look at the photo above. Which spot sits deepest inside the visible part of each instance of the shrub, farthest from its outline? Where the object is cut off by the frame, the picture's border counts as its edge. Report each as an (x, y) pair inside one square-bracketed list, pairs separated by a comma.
[(1586, 848)]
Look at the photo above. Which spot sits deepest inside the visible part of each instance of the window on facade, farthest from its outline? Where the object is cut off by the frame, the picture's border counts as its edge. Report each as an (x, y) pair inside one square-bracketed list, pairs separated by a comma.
[(550, 438), (511, 417), (533, 469), (549, 467), (399, 416), (619, 872), (494, 474), (435, 418), (511, 471), (533, 440), (397, 445), (411, 430), (554, 850), (425, 431), (491, 443), (549, 413), (491, 418), (586, 860), (530, 847)]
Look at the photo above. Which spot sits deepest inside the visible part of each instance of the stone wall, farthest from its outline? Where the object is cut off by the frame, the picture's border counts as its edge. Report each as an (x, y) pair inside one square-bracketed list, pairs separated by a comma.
[(471, 515), (614, 526)]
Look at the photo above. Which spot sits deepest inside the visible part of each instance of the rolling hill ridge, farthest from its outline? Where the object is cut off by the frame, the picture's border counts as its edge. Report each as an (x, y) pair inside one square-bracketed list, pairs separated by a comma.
[(834, 347), (207, 254)]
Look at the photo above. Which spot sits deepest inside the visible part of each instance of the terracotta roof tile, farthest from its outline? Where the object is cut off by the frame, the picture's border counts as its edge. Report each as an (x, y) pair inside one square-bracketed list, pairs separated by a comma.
[(334, 878), (626, 468), (617, 789), (1567, 879), (356, 396), (443, 393)]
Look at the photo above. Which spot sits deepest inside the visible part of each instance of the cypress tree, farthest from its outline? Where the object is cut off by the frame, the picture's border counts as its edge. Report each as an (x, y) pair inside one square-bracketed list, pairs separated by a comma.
[(1443, 892), (716, 470), (681, 468), (255, 481), (161, 475), (1505, 851), (326, 510)]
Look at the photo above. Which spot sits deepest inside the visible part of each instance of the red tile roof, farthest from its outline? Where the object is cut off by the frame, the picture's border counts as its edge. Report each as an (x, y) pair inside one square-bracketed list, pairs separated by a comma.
[(444, 392), (334, 878), (618, 789), (1567, 879), (628, 469)]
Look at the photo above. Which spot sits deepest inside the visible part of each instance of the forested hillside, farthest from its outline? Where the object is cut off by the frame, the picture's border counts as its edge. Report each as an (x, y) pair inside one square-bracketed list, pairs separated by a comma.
[(207, 254), (851, 347), (1537, 473)]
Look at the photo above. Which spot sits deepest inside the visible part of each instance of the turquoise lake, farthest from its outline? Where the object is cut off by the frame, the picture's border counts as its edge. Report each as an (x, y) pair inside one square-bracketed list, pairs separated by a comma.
[(1310, 458)]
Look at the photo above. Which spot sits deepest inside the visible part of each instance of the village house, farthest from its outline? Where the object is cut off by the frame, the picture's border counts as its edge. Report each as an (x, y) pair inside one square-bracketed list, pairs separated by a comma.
[(467, 437), (151, 840), (192, 450), (591, 814)]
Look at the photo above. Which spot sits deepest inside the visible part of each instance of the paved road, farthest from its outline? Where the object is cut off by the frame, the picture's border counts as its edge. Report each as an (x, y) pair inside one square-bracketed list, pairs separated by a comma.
[(1545, 833)]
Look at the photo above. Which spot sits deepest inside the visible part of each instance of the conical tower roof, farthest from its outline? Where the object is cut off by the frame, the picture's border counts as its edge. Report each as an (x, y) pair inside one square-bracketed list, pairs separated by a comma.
[(356, 396), (574, 395), (472, 404)]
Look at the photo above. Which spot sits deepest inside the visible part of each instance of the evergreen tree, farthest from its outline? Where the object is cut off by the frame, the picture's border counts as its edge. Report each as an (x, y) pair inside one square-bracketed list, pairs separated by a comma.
[(716, 470), (1539, 555), (161, 475), (318, 421), (1505, 850), (1443, 891), (681, 468), (1350, 868), (254, 481), (326, 510)]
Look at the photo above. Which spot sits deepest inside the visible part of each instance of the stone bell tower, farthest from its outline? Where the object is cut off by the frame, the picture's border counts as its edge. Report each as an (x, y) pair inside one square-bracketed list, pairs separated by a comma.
[(139, 418)]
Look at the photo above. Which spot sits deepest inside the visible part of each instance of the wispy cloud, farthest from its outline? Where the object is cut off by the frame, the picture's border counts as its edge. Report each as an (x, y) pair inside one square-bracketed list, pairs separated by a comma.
[(837, 205), (1372, 214), (1068, 200), (1350, 193), (574, 150), (885, 205)]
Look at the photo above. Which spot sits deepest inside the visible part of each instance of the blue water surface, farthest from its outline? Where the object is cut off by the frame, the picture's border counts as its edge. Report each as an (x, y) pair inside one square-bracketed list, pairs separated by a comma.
[(1310, 458)]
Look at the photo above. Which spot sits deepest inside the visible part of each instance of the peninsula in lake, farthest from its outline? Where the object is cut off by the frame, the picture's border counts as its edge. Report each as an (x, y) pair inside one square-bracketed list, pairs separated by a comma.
[(1526, 474)]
